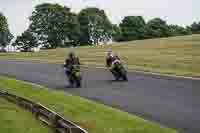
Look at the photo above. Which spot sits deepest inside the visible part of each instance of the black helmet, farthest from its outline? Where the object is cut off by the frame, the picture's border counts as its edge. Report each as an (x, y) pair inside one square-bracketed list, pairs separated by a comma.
[(71, 54)]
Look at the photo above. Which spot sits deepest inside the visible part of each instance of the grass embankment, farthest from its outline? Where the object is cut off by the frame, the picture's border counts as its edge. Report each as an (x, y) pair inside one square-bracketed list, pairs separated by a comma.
[(94, 117), (175, 55), (16, 120)]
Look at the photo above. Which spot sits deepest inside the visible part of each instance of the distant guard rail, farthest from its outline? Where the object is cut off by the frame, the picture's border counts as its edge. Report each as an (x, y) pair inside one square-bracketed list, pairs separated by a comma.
[(58, 123)]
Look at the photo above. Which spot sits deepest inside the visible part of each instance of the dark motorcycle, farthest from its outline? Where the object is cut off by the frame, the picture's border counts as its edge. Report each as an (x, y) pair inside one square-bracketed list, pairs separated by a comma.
[(74, 76), (119, 72)]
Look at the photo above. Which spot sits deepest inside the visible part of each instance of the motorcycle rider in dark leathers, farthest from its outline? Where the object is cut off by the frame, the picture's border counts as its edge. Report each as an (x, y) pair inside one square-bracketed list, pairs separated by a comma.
[(72, 69)]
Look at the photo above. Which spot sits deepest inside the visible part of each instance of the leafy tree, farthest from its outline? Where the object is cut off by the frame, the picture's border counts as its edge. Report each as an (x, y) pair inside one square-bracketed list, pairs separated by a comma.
[(132, 28), (175, 30), (5, 35), (195, 27), (117, 33), (188, 30), (95, 26), (26, 41), (55, 25), (156, 28)]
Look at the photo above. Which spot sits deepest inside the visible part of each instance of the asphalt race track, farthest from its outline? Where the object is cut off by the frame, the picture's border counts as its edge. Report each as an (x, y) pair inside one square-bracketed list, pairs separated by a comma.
[(172, 102)]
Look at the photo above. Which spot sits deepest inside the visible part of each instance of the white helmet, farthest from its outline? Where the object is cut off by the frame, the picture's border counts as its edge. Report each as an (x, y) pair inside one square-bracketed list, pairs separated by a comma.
[(109, 52)]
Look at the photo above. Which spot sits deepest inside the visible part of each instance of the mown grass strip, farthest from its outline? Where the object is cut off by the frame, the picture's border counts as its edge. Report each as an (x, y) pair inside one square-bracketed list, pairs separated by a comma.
[(175, 55), (16, 120)]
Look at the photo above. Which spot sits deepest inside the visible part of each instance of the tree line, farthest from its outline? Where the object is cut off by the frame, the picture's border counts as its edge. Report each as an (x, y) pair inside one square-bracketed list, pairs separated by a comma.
[(5, 35), (54, 25)]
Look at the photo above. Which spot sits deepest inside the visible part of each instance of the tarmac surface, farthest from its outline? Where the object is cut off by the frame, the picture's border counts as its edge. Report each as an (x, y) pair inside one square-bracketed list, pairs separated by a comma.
[(171, 102)]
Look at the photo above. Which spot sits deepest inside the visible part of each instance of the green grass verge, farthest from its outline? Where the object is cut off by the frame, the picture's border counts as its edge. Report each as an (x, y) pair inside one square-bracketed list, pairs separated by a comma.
[(94, 117), (175, 55), (16, 120)]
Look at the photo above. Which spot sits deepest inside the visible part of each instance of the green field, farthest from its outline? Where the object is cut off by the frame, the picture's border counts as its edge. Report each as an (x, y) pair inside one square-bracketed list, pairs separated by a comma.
[(16, 120), (94, 117), (176, 55)]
